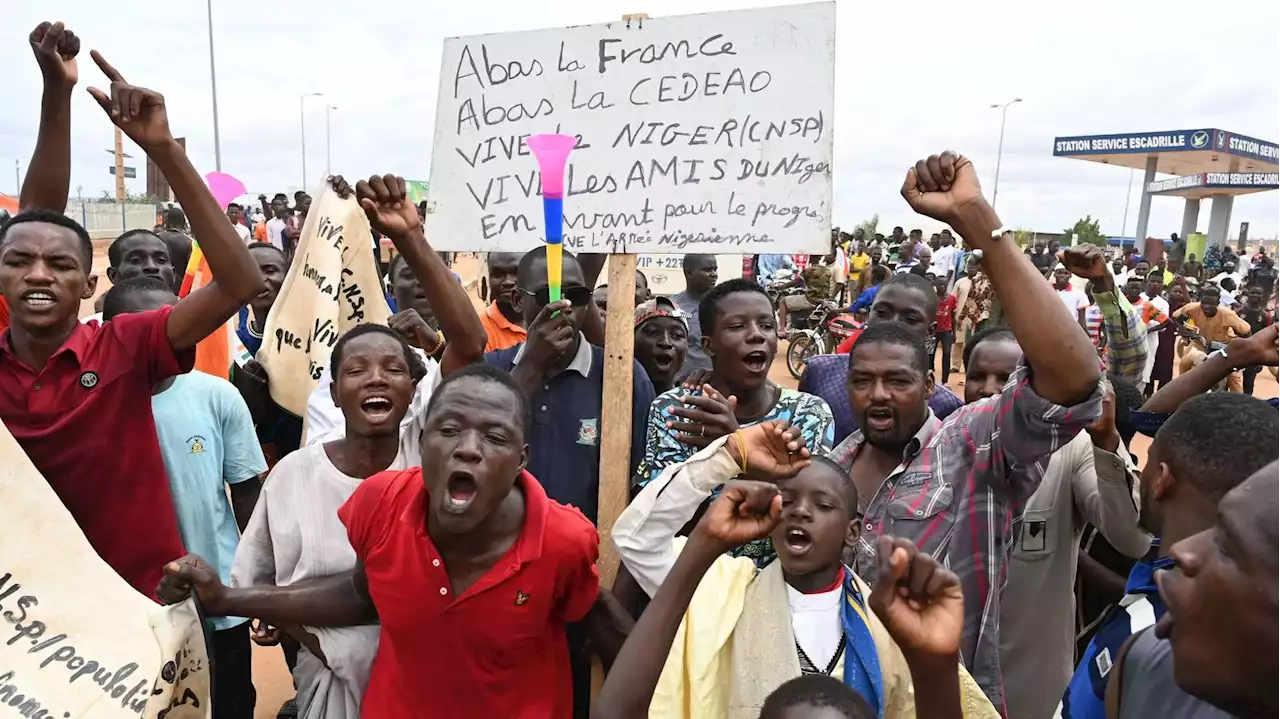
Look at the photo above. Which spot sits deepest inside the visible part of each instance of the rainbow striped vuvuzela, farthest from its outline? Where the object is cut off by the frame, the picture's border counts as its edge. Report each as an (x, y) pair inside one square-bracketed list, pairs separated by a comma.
[(552, 151)]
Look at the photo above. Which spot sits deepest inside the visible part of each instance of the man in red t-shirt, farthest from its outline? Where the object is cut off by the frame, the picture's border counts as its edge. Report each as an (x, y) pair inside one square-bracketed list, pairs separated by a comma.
[(944, 325), (77, 397), (471, 570)]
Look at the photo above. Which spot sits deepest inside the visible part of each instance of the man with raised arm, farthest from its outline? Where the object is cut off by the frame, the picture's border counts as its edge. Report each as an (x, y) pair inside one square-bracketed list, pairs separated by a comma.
[(49, 173), (62, 381), (956, 489)]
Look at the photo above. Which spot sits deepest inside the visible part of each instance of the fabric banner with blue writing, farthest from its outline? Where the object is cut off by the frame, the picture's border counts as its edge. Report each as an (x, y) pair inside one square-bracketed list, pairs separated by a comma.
[(332, 286), (75, 639)]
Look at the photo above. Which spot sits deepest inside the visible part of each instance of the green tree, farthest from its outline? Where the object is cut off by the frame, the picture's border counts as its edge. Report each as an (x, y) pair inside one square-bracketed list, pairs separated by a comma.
[(1088, 230), (1023, 236), (868, 227)]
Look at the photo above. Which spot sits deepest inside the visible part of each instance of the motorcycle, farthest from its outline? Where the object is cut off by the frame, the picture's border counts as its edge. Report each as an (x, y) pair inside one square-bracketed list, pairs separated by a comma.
[(779, 285), (823, 330)]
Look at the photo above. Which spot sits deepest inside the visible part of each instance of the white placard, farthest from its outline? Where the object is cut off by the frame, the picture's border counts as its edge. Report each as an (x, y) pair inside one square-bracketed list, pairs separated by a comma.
[(665, 273), (701, 133)]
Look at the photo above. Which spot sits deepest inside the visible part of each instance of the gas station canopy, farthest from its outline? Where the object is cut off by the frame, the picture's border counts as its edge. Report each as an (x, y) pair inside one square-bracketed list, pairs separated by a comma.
[(1211, 164), (1180, 152), (1207, 184)]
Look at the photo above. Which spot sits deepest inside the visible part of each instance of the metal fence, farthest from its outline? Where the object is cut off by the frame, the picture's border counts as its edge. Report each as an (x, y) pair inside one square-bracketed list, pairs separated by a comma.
[(108, 220)]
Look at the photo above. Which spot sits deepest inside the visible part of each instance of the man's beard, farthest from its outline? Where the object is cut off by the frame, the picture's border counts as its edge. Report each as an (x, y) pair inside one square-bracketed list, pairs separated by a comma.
[(883, 439)]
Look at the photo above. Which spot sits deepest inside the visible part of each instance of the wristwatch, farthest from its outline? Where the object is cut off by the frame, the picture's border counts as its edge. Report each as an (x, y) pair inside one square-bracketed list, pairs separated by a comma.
[(1222, 352)]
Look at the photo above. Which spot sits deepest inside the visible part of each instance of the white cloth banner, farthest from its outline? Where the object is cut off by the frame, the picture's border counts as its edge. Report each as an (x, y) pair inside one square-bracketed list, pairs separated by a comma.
[(332, 286), (76, 641)]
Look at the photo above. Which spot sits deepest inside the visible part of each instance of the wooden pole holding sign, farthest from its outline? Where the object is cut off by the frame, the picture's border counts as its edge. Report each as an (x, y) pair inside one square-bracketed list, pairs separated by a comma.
[(615, 412)]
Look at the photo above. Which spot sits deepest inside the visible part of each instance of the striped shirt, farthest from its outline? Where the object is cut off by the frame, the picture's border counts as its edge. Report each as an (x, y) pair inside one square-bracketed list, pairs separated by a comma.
[(959, 492), (1093, 322), (1126, 336)]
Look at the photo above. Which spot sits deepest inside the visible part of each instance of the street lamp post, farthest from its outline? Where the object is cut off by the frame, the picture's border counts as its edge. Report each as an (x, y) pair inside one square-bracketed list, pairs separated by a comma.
[(1004, 112), (213, 83), (1128, 193), (302, 117), (17, 176)]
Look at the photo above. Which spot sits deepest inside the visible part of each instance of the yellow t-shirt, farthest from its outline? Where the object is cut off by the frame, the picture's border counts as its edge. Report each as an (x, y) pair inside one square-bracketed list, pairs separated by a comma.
[(1222, 327), (858, 262)]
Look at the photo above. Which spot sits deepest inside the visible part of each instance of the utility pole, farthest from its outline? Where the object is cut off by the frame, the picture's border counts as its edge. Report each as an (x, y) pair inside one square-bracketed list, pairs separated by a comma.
[(119, 165)]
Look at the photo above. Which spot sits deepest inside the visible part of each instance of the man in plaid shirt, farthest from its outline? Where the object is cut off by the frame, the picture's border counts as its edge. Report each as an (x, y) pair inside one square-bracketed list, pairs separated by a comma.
[(1124, 328), (957, 489)]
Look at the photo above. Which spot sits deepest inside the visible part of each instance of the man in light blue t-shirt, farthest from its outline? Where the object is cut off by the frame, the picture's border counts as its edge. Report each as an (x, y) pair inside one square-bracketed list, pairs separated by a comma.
[(208, 443)]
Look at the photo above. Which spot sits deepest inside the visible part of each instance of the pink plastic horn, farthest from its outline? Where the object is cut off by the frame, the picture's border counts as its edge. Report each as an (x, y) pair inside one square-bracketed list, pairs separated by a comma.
[(551, 152)]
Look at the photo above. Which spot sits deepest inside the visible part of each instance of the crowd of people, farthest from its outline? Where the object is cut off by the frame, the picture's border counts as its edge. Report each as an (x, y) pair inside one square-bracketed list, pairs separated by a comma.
[(870, 545), (1189, 311)]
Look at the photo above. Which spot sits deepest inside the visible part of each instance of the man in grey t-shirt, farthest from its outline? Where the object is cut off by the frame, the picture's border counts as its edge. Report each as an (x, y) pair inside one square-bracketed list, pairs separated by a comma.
[(1147, 689), (1217, 638), (699, 278)]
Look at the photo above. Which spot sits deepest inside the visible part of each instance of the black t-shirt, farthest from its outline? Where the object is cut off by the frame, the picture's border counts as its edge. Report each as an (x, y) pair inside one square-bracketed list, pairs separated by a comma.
[(1265, 277), (1257, 319)]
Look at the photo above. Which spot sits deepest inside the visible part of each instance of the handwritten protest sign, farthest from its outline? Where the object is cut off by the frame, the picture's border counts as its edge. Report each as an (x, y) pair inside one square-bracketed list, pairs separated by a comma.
[(703, 133), (332, 286), (76, 641)]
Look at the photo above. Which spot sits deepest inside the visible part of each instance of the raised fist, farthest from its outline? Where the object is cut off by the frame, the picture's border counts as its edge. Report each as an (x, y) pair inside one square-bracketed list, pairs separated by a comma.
[(56, 48)]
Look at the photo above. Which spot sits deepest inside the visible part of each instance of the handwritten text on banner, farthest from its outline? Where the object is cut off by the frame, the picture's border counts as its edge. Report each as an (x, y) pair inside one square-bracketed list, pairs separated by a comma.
[(332, 286), (701, 133), (75, 639)]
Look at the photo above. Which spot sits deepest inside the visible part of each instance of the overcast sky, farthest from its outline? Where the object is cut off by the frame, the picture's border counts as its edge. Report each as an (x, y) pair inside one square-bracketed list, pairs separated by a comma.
[(911, 78)]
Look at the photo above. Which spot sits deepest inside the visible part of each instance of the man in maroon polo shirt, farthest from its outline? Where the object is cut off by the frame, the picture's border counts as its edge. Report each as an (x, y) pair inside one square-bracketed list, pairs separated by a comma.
[(77, 397), (471, 569)]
